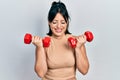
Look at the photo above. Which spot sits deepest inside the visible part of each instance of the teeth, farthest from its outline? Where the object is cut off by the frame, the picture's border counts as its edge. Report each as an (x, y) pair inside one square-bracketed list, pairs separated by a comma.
[(58, 30)]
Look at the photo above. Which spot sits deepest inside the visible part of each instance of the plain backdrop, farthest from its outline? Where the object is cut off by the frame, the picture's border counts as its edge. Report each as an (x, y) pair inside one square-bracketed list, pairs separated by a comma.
[(18, 17)]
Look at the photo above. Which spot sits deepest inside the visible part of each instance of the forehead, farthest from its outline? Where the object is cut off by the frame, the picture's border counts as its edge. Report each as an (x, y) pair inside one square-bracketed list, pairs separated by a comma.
[(59, 17)]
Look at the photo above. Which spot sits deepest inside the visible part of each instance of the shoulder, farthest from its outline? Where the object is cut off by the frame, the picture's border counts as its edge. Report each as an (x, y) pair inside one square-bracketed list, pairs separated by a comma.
[(70, 35), (47, 36)]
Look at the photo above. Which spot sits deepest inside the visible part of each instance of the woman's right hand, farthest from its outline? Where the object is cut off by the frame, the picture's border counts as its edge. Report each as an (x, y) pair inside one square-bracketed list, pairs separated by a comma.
[(37, 41)]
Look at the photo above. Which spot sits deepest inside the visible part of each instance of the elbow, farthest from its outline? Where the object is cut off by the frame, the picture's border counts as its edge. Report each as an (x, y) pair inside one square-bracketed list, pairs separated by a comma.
[(84, 70), (40, 72)]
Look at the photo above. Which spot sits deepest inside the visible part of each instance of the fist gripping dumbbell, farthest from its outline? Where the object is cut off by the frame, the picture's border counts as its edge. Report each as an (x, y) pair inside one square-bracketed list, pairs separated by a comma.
[(28, 40), (73, 41)]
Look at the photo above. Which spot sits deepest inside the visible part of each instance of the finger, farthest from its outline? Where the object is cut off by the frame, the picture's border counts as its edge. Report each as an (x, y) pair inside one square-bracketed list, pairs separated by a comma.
[(37, 39), (82, 38), (33, 38)]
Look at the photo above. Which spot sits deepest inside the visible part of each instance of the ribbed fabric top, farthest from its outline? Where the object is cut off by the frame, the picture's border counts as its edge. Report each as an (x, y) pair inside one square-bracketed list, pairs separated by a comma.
[(60, 60)]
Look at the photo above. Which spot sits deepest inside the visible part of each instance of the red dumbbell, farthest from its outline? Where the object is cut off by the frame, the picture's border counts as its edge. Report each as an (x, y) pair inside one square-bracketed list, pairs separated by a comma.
[(73, 41), (28, 40)]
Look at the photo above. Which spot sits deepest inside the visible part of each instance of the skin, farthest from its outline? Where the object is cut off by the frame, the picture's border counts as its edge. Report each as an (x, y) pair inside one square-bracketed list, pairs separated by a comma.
[(58, 27)]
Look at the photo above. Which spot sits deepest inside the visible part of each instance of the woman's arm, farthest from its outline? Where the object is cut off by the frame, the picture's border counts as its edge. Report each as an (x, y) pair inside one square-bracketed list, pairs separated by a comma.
[(40, 57), (82, 62), (40, 62)]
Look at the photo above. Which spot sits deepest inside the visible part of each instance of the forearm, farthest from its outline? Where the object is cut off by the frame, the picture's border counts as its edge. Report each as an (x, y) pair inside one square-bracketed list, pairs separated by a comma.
[(40, 62), (82, 62)]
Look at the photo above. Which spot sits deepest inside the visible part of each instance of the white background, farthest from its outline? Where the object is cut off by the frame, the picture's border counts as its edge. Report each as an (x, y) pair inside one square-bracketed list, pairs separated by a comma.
[(18, 17)]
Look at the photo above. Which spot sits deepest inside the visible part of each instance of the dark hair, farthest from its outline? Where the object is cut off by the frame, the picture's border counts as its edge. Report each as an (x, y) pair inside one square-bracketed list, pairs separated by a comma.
[(58, 7)]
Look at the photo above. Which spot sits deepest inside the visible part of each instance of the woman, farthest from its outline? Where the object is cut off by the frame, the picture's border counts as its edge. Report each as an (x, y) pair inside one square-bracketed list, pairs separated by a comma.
[(59, 61)]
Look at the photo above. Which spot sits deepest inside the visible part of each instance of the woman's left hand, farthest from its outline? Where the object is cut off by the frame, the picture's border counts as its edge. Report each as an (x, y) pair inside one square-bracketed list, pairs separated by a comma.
[(81, 40)]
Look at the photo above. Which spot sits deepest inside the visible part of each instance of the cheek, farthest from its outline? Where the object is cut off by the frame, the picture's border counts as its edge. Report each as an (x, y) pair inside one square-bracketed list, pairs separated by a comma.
[(65, 28), (52, 29)]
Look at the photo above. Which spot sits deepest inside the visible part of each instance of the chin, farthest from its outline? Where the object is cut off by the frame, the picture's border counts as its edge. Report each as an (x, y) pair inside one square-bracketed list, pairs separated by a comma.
[(58, 34)]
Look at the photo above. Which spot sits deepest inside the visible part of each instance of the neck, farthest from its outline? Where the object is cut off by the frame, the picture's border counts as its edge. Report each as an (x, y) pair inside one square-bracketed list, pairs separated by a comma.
[(58, 37)]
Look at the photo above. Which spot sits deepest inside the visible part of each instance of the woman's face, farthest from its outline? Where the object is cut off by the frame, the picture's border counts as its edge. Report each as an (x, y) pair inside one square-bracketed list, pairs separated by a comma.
[(58, 25)]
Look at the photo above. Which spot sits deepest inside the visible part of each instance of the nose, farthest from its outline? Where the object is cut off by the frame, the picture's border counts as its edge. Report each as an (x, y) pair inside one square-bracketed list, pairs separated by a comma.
[(59, 25)]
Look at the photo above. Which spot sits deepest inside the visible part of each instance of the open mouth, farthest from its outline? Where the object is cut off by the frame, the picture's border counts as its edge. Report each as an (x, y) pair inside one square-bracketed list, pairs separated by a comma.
[(58, 30)]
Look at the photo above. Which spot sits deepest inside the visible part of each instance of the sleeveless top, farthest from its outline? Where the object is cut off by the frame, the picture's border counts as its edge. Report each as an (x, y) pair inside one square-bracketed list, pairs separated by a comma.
[(60, 60)]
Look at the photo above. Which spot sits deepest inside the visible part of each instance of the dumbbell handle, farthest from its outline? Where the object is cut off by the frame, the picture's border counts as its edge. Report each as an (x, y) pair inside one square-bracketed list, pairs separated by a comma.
[(28, 40), (73, 41)]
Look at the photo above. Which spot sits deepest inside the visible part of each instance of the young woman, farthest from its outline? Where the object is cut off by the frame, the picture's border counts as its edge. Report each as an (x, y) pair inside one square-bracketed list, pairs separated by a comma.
[(59, 61)]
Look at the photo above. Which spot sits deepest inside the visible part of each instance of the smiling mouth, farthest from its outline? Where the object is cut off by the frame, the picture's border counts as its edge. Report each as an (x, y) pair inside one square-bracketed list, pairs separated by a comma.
[(58, 30)]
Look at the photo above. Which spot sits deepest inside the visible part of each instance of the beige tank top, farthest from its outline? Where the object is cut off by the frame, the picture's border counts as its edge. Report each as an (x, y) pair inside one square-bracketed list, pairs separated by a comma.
[(60, 60)]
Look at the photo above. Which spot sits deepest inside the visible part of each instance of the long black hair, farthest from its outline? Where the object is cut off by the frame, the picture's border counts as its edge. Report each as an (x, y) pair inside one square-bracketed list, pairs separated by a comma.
[(58, 7)]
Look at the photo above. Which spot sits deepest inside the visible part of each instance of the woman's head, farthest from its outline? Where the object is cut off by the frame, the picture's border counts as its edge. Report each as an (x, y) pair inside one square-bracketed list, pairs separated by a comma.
[(58, 16)]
